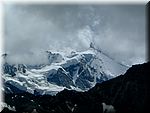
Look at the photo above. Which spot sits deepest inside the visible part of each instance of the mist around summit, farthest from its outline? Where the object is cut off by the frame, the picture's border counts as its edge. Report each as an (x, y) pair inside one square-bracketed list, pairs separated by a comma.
[(32, 29)]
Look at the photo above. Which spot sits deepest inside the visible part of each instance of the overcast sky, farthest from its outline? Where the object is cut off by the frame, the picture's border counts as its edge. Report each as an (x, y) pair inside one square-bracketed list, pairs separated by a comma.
[(119, 30)]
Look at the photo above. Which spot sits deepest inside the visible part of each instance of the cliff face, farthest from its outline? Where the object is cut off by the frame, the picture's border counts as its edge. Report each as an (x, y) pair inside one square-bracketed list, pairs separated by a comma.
[(126, 93), (74, 71)]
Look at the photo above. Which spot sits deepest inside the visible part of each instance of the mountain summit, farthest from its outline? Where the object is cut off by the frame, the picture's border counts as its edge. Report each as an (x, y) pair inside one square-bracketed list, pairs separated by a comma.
[(75, 71)]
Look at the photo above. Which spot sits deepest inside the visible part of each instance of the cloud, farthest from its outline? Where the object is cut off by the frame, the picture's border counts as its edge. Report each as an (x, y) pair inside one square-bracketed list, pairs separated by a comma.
[(119, 30)]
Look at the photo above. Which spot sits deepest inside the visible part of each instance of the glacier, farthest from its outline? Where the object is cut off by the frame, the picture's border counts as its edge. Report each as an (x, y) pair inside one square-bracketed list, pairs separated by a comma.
[(77, 70)]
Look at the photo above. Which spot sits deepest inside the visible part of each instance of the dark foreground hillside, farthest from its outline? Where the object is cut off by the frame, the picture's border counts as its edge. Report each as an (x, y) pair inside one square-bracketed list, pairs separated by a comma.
[(128, 93)]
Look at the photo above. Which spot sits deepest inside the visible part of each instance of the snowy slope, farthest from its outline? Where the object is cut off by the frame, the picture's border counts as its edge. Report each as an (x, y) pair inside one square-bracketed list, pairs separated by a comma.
[(76, 70)]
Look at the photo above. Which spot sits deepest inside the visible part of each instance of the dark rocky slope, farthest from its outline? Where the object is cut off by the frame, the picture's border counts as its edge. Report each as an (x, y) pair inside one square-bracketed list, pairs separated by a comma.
[(127, 93)]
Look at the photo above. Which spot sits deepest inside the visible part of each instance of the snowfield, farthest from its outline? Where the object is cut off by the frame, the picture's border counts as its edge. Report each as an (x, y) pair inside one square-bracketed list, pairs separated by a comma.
[(77, 70)]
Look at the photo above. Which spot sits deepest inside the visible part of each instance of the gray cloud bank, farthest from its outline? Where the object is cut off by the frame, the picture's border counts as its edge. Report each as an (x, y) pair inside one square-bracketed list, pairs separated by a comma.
[(30, 29)]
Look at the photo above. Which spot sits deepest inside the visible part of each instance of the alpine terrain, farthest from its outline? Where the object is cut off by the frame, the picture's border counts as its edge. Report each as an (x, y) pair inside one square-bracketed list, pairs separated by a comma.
[(78, 71), (128, 93)]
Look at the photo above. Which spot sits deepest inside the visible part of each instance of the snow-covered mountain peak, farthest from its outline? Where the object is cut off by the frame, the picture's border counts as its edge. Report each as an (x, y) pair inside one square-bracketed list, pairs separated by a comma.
[(72, 70)]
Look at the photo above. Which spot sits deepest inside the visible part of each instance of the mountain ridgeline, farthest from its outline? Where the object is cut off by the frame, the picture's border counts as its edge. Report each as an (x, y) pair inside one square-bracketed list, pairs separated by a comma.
[(128, 93), (78, 71)]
